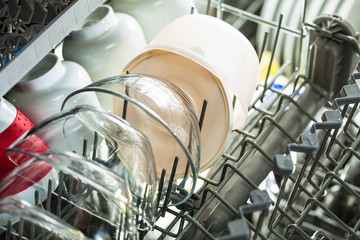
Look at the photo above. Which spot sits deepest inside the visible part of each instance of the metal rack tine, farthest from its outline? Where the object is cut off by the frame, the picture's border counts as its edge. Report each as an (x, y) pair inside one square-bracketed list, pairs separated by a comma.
[(8, 230), (60, 192), (125, 101), (96, 137), (272, 55), (202, 115), (283, 166), (48, 197), (84, 148), (169, 189), (160, 188), (299, 49), (308, 144), (263, 45), (21, 228)]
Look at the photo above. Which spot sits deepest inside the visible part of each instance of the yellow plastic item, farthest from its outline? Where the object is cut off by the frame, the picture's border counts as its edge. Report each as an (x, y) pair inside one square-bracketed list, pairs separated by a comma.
[(264, 65)]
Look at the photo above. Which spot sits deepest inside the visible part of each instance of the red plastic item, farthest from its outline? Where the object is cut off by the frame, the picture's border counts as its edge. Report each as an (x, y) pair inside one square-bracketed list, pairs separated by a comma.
[(19, 126)]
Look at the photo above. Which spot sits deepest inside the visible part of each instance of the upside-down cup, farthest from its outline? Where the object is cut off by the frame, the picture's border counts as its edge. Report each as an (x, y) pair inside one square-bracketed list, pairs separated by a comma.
[(162, 112), (89, 198), (208, 59), (92, 135)]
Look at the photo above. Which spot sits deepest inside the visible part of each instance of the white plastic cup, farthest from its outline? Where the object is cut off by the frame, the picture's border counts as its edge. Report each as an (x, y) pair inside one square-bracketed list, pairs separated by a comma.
[(218, 47)]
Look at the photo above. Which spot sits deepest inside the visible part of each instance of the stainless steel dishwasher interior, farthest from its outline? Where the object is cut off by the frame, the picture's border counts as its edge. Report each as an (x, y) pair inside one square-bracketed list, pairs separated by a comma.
[(292, 171)]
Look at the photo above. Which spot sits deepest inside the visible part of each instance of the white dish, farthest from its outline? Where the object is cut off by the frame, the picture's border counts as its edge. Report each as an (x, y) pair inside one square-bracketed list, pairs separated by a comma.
[(154, 15), (223, 61), (41, 92), (104, 43), (200, 86)]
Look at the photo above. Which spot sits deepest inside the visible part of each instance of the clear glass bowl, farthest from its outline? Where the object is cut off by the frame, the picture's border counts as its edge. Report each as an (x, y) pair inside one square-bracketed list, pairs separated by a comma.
[(35, 219), (159, 110), (89, 197), (89, 134)]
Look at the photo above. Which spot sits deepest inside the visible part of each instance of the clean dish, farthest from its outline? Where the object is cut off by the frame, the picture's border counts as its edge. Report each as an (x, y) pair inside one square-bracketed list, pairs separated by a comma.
[(154, 15), (39, 94), (104, 43), (163, 113), (202, 85), (16, 208), (218, 47), (91, 195), (214, 64), (87, 133)]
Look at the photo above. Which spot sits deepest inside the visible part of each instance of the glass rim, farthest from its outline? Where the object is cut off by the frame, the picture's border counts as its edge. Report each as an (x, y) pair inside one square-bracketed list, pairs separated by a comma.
[(94, 88)]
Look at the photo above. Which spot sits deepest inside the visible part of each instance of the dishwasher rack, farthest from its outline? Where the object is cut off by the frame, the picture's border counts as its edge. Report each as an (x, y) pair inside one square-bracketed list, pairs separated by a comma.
[(317, 197)]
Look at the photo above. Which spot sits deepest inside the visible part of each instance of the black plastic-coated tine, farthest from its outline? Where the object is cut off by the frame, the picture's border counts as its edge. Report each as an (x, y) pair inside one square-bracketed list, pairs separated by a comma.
[(354, 77), (272, 54), (350, 94), (192, 10), (96, 138), (71, 187), (330, 120), (283, 165), (298, 180), (60, 190), (233, 102), (8, 230), (32, 231), (137, 206), (36, 197), (202, 115), (318, 155), (21, 229), (277, 203), (125, 102), (48, 197), (171, 180), (185, 174), (259, 225), (260, 202), (308, 144), (84, 148), (144, 196), (121, 225), (142, 235), (182, 184), (161, 186)]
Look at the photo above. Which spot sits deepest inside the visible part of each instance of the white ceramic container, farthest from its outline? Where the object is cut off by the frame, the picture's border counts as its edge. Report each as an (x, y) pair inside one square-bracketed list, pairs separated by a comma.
[(104, 43), (154, 15), (40, 93), (206, 58)]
